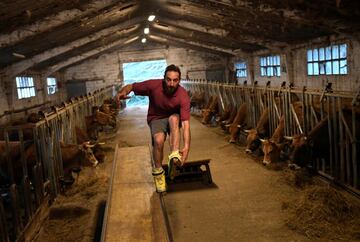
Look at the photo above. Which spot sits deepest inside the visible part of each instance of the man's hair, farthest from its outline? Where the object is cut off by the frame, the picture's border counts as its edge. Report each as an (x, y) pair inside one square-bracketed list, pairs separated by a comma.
[(172, 67)]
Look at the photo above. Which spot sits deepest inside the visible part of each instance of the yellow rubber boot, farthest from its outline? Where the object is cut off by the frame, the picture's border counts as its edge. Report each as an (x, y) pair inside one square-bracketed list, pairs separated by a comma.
[(174, 160), (159, 179)]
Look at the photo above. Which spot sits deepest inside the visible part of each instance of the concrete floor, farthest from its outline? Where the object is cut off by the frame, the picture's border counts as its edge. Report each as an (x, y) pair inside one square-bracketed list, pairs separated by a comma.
[(245, 202)]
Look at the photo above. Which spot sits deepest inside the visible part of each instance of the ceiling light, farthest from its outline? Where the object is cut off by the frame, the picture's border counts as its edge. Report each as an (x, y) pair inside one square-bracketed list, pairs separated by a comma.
[(151, 17), (143, 40), (146, 30)]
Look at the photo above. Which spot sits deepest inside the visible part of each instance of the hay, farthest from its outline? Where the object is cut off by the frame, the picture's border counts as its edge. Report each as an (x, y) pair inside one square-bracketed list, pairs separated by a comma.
[(298, 178), (324, 213)]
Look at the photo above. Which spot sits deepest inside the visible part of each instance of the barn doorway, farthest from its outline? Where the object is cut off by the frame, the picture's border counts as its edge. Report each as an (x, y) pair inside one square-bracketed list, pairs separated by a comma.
[(141, 71)]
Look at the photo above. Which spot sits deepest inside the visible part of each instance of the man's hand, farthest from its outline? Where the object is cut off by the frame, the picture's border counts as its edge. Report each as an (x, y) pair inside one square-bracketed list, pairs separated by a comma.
[(124, 92), (122, 95), (184, 155)]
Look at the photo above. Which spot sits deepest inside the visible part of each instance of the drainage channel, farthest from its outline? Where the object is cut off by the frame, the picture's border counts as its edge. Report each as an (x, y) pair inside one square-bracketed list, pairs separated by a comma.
[(166, 218)]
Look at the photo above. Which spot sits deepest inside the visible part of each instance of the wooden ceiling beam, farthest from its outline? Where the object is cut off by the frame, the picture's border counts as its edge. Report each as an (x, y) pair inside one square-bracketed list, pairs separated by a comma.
[(88, 54)]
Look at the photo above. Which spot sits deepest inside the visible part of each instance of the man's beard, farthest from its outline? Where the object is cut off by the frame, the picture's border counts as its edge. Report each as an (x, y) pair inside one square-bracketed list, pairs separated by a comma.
[(169, 90)]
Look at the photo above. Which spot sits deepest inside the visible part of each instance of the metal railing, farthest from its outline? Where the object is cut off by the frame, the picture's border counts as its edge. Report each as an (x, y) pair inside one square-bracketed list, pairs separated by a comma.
[(302, 109), (24, 191)]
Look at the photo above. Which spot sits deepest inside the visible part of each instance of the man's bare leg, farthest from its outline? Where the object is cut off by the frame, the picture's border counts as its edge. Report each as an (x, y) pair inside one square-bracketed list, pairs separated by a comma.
[(158, 149), (174, 132)]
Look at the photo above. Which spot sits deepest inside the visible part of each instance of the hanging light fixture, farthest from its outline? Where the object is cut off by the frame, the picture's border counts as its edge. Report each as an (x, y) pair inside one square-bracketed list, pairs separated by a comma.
[(143, 40), (146, 30), (151, 17)]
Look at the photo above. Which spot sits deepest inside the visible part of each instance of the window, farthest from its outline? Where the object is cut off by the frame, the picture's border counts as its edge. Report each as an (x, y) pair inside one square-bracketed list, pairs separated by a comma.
[(25, 87), (329, 60), (240, 68), (270, 65), (51, 85)]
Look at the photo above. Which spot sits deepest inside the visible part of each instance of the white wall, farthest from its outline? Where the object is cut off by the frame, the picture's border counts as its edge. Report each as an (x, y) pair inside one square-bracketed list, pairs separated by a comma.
[(109, 67), (9, 100), (294, 69), (349, 82)]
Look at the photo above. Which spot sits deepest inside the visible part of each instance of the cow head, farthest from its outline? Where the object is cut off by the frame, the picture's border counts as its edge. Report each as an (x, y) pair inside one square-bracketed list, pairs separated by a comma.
[(206, 116), (300, 149), (104, 119), (252, 140), (35, 117), (91, 127), (271, 151), (106, 108), (89, 158)]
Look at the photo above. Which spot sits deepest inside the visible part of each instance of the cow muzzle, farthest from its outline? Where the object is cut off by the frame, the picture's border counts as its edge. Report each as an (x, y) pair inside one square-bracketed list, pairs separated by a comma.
[(248, 151)]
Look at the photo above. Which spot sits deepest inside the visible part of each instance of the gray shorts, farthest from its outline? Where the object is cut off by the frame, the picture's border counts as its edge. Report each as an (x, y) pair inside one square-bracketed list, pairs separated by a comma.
[(159, 126)]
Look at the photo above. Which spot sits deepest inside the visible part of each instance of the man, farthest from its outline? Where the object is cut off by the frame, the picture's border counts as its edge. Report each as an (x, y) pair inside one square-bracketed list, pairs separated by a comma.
[(169, 109)]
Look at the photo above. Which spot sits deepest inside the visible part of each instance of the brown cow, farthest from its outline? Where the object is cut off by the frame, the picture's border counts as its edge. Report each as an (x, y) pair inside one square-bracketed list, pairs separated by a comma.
[(91, 127), (209, 112), (226, 123), (107, 108), (23, 124), (261, 131), (76, 156), (226, 114), (273, 147), (82, 137), (35, 117), (197, 99), (239, 121), (314, 145), (73, 156), (114, 104), (15, 158), (104, 119)]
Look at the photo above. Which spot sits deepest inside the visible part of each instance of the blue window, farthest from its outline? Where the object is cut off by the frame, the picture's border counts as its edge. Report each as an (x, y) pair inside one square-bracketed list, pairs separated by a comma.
[(270, 66), (51, 85), (25, 86), (240, 68), (330, 60)]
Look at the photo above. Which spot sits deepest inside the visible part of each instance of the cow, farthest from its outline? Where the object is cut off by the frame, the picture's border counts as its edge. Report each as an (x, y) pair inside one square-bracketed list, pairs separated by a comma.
[(209, 112), (226, 114), (225, 124), (315, 145), (107, 108), (35, 117), (82, 137), (26, 125), (272, 147), (114, 104), (239, 121), (96, 121), (15, 159), (104, 119), (197, 99), (92, 129), (261, 131), (73, 156)]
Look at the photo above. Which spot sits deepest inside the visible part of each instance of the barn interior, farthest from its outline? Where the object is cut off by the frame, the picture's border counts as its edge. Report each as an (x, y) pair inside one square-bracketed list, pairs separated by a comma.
[(59, 58)]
